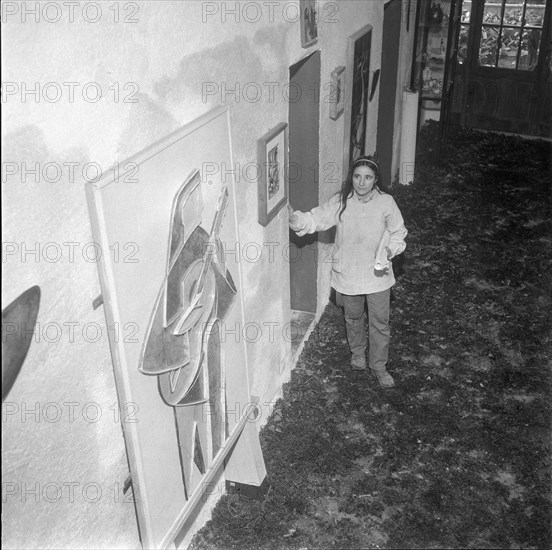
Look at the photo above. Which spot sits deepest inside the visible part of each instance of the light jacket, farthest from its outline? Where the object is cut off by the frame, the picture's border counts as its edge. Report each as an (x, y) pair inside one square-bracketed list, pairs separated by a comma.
[(360, 232)]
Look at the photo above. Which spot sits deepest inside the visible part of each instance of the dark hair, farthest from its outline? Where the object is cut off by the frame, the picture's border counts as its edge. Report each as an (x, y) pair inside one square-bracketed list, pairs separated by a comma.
[(347, 188)]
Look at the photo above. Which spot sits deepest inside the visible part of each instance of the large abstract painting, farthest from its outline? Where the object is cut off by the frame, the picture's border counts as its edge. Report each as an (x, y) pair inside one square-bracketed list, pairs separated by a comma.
[(187, 381)]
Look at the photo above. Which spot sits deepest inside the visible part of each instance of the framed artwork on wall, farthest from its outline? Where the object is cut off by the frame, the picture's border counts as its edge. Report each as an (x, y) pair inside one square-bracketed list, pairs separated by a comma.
[(309, 22), (272, 156), (180, 376), (356, 95), (336, 96)]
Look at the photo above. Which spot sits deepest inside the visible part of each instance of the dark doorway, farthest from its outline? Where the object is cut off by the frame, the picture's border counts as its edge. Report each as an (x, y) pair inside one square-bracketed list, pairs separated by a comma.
[(303, 178), (388, 87)]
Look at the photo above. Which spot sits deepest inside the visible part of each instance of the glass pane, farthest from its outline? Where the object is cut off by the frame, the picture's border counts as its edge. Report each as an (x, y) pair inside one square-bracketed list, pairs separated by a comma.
[(530, 43), (513, 13), (466, 12), (492, 12), (463, 43), (534, 14), (488, 47), (508, 48)]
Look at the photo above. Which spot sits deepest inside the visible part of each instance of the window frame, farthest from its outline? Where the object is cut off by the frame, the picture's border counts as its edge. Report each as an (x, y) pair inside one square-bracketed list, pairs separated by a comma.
[(522, 28)]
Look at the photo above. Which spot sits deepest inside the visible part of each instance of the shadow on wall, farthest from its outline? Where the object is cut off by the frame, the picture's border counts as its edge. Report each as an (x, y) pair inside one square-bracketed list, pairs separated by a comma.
[(239, 73)]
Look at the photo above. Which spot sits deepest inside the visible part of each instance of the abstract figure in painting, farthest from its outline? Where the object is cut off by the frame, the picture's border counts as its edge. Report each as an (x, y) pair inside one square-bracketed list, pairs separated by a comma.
[(182, 345)]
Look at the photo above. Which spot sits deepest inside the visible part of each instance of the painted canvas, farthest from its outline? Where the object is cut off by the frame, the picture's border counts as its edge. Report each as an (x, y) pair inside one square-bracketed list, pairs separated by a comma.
[(273, 172), (358, 69), (309, 22), (180, 372), (336, 94), (361, 73)]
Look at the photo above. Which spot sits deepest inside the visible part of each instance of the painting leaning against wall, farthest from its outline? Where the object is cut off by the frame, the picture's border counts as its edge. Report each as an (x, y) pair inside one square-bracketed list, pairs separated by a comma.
[(179, 372)]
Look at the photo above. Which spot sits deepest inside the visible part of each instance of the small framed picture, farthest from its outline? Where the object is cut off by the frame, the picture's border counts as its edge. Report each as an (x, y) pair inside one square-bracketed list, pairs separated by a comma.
[(309, 22), (272, 156), (336, 96)]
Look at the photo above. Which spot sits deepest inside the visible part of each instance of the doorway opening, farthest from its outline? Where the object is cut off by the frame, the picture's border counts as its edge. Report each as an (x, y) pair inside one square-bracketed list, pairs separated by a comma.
[(304, 104)]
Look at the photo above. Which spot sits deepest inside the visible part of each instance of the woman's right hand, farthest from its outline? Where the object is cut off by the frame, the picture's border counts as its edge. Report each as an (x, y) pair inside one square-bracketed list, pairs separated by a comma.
[(293, 219)]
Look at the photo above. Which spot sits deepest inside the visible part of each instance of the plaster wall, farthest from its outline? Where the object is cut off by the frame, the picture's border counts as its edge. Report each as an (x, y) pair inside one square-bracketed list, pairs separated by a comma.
[(403, 78), (86, 93)]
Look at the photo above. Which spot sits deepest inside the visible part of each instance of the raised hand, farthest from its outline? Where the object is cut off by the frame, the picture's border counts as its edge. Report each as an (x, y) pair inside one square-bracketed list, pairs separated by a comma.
[(293, 219)]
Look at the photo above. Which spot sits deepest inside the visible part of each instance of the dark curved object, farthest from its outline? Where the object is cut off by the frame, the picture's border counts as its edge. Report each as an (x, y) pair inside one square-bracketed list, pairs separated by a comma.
[(18, 322), (375, 80)]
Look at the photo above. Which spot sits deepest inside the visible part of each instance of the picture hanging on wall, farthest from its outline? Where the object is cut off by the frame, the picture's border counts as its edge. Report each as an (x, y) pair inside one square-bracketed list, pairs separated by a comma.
[(309, 22), (336, 95), (272, 157), (356, 94)]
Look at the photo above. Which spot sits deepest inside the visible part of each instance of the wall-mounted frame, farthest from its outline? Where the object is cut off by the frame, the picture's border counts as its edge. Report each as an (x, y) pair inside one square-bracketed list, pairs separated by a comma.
[(272, 156), (356, 95), (336, 95), (309, 22)]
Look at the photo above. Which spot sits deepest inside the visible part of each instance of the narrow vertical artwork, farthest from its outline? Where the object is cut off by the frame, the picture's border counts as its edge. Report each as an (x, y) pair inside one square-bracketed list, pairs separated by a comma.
[(357, 92), (309, 22), (359, 103), (179, 371)]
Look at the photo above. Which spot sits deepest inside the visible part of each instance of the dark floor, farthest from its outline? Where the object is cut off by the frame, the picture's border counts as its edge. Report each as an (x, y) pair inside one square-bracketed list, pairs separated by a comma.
[(458, 455)]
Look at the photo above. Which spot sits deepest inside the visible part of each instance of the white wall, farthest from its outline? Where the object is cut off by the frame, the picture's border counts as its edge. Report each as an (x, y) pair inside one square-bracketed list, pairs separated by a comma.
[(176, 61), (404, 76)]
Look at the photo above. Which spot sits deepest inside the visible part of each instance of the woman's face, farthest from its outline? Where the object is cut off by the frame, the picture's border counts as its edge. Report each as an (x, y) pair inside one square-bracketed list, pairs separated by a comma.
[(364, 179)]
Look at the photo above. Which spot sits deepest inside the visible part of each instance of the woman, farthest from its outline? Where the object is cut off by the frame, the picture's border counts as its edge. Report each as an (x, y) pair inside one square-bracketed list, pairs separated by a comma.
[(370, 231)]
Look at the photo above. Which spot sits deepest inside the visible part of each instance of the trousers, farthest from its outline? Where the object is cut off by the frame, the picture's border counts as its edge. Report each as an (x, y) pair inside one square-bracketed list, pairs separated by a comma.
[(378, 326)]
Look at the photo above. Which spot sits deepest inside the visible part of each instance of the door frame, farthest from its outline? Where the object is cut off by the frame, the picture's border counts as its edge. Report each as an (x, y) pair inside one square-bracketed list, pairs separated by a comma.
[(474, 72), (300, 300)]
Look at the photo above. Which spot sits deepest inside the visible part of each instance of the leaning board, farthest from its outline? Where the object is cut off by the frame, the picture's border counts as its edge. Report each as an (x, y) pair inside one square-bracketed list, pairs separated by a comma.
[(131, 213)]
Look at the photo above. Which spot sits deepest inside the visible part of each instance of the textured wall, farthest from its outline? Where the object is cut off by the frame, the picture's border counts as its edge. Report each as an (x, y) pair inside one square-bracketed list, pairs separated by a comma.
[(403, 78), (157, 67)]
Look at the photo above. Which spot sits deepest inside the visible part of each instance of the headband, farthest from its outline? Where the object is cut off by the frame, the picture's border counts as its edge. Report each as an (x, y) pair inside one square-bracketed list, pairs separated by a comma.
[(358, 161)]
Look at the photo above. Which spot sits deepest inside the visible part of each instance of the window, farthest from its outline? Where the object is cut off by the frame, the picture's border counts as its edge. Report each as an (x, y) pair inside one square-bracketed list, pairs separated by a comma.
[(510, 33), (464, 32)]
